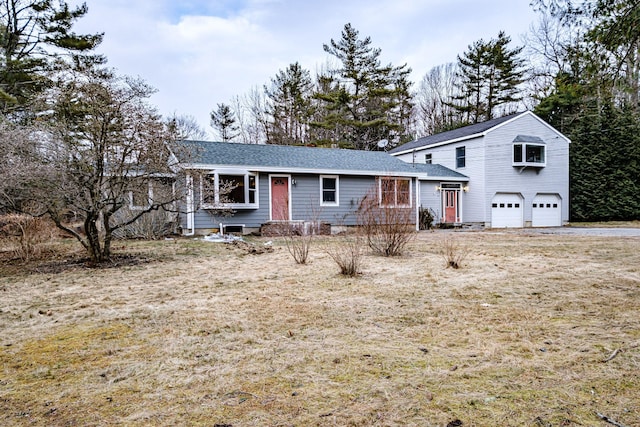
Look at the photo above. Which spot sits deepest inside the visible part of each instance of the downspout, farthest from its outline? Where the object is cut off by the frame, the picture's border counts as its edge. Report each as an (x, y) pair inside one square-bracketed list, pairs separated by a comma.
[(417, 205), (191, 225)]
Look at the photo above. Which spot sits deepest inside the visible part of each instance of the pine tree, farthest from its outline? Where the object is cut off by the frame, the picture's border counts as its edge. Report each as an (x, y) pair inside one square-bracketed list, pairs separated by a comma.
[(224, 121), (362, 101), (289, 106), (490, 75), (35, 35)]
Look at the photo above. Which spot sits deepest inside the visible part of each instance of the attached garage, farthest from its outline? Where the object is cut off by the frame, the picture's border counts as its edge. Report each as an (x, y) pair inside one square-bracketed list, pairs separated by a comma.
[(546, 211), (507, 210)]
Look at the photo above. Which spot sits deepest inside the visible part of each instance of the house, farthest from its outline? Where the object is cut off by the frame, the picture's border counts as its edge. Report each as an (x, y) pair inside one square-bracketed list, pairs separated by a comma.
[(517, 168), (274, 183)]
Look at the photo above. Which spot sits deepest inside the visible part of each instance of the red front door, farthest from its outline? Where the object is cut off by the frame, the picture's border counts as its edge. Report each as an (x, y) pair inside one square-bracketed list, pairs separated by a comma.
[(450, 206), (279, 198)]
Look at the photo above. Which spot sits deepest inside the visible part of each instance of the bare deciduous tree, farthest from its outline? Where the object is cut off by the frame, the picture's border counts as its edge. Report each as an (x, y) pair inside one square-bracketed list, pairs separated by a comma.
[(185, 127), (103, 161), (437, 90)]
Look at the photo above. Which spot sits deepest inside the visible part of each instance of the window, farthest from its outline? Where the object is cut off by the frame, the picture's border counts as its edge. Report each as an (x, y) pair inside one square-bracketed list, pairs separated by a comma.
[(329, 190), (460, 157), (395, 192), (427, 159), (139, 197), (529, 155), (229, 190), (145, 192)]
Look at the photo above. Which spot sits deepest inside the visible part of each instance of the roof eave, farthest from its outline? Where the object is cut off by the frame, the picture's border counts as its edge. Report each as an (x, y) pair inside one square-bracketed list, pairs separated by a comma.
[(280, 169)]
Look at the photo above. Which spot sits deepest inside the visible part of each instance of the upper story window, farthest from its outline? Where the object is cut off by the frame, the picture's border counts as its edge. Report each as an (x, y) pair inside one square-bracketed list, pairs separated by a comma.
[(529, 151), (395, 192), (428, 159), (229, 190), (329, 191), (460, 157)]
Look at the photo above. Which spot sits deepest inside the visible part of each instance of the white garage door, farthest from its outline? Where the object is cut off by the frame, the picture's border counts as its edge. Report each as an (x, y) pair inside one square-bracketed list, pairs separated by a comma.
[(506, 210), (546, 211)]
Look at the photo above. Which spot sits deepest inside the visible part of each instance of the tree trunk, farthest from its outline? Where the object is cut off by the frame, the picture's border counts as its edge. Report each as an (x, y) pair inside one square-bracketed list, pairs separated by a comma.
[(94, 250)]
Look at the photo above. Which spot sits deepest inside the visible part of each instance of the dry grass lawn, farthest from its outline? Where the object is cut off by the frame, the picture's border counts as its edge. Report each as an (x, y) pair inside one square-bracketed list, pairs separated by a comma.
[(533, 330)]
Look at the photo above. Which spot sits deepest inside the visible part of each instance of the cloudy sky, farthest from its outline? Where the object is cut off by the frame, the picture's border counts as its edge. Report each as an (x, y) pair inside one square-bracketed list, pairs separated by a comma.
[(199, 53)]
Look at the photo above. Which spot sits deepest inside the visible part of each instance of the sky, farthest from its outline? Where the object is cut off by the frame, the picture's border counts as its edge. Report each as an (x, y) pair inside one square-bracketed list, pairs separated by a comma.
[(200, 53)]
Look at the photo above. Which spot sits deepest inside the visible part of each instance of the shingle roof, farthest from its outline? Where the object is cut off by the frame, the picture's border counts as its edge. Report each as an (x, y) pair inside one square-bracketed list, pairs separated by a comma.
[(439, 171), (454, 134), (296, 158)]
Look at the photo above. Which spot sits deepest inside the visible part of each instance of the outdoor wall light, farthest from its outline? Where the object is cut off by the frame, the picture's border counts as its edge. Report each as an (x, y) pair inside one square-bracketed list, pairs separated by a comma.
[(437, 188), (465, 188), (293, 182)]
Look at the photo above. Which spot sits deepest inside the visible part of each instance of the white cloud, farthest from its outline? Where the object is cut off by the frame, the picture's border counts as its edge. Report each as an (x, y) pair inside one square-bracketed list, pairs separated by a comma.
[(199, 53)]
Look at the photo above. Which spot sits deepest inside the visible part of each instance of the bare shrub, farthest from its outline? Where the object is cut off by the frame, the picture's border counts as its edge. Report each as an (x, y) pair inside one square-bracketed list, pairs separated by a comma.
[(347, 252), (25, 236), (297, 238), (453, 252), (154, 225), (388, 228)]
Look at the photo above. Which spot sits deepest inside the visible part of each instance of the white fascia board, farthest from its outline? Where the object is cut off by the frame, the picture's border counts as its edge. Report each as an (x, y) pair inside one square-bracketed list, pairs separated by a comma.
[(267, 169), (532, 114), (443, 178), (554, 130), (481, 134)]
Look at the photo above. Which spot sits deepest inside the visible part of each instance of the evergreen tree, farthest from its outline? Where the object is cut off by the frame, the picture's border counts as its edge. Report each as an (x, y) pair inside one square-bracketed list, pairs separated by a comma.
[(363, 101), (289, 106), (489, 77), (223, 120), (35, 35), (605, 164), (594, 101)]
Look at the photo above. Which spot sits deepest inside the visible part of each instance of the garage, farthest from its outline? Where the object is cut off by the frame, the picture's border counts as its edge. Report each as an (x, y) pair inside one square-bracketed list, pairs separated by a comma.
[(546, 211), (506, 210)]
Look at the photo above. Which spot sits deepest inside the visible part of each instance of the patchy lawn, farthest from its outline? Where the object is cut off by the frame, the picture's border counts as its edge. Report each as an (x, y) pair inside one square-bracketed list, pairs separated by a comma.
[(535, 330)]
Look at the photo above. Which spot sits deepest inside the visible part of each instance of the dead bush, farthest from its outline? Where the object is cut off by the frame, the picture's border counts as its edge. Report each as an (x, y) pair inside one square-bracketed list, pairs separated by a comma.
[(388, 228), (27, 237), (453, 252), (297, 238), (152, 225), (347, 252)]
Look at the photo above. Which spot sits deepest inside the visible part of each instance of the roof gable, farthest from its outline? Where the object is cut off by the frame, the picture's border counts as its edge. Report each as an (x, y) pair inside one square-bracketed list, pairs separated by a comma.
[(472, 131)]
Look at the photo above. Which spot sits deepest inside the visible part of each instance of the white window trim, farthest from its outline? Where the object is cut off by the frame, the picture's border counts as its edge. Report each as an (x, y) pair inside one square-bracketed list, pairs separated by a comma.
[(289, 181), (337, 190), (464, 158), (524, 154), (395, 193), (216, 184), (451, 186)]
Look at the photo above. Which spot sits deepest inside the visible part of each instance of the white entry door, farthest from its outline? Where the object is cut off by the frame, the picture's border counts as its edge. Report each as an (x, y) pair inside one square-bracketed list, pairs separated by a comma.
[(546, 211), (506, 210)]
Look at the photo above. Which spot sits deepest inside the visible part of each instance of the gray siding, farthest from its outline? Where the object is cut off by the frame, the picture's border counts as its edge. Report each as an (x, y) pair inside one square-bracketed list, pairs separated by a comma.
[(305, 197), (430, 198), (489, 166), (505, 178), (473, 204)]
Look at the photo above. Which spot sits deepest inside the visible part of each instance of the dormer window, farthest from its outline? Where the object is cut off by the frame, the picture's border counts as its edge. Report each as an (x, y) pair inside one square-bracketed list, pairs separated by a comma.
[(529, 151)]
